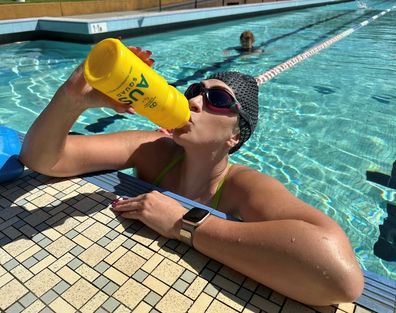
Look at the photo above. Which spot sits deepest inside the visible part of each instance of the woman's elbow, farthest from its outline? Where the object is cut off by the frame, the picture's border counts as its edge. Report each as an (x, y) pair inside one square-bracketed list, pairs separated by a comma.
[(351, 286)]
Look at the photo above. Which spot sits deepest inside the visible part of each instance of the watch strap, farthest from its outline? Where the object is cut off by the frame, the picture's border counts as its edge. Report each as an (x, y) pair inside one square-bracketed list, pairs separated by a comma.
[(187, 233)]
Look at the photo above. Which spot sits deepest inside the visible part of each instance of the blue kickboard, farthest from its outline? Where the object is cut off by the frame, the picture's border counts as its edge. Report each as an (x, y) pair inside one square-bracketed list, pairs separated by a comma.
[(10, 147)]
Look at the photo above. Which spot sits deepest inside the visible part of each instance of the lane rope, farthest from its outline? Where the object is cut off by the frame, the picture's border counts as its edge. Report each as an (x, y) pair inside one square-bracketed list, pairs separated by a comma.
[(268, 75)]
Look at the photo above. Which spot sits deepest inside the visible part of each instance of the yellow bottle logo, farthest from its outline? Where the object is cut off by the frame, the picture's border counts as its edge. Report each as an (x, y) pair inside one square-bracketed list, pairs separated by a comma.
[(131, 93)]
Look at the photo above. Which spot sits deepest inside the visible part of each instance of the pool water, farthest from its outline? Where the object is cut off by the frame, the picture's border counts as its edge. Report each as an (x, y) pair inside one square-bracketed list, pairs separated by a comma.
[(323, 124)]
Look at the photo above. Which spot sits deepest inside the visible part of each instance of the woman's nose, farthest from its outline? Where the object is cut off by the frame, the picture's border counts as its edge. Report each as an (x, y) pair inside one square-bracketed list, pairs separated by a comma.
[(195, 103)]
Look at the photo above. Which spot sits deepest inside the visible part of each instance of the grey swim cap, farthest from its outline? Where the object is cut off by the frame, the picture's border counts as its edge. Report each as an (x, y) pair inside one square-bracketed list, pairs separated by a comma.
[(246, 92)]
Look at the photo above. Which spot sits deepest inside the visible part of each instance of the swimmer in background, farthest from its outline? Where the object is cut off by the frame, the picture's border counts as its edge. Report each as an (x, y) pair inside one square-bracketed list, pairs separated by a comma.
[(246, 48)]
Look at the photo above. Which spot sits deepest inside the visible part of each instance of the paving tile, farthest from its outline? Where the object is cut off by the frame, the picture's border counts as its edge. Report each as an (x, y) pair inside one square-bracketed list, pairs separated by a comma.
[(49, 296), (21, 273), (79, 293), (156, 285), (96, 231), (201, 304), (362, 310), (95, 302), (42, 282), (35, 307), (219, 307), (152, 263), (140, 275), (82, 241), (225, 284), (194, 261), (61, 306), (231, 300), (266, 305), (15, 308), (196, 287), (142, 251), (180, 285), (131, 293), (110, 288), (347, 307), (291, 306), (110, 305), (174, 302), (11, 292), (115, 275), (168, 272), (152, 298), (38, 267), (129, 263), (94, 254)]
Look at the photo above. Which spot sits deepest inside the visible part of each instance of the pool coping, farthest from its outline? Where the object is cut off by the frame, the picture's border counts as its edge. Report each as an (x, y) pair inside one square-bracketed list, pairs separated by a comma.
[(129, 24)]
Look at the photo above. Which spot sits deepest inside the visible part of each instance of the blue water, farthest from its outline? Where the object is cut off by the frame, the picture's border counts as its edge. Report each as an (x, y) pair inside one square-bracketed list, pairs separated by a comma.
[(322, 125)]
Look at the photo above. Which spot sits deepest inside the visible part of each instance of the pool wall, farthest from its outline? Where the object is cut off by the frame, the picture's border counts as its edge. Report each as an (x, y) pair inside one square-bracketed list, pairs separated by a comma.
[(94, 29)]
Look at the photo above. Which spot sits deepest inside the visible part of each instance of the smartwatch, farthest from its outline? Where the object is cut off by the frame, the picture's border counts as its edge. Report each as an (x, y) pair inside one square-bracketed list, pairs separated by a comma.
[(191, 220)]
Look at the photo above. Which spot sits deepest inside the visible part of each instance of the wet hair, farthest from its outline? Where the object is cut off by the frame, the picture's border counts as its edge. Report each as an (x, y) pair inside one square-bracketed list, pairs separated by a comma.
[(245, 89), (247, 34)]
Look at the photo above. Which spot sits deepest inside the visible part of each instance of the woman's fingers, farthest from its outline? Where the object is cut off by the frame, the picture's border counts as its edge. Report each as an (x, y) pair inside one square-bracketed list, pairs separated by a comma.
[(144, 55)]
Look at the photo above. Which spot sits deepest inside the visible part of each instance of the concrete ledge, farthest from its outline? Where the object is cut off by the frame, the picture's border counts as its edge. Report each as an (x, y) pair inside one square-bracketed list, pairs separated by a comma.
[(92, 30)]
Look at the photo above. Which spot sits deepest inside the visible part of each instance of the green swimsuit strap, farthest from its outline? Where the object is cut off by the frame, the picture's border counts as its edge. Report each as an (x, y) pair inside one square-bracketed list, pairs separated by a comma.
[(167, 169), (216, 199)]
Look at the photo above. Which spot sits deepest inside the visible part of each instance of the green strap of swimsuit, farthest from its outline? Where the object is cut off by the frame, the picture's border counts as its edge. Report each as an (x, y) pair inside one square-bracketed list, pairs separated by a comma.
[(177, 159)]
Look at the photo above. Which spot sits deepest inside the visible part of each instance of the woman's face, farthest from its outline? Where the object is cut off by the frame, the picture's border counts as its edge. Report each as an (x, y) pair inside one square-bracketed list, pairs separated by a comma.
[(207, 128), (247, 42)]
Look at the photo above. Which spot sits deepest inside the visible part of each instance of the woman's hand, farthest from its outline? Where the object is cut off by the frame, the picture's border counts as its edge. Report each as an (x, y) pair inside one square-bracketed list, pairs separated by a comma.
[(157, 211), (80, 92)]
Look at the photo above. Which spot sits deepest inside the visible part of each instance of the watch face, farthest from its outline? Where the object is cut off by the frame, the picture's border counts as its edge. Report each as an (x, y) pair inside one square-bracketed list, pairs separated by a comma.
[(195, 215)]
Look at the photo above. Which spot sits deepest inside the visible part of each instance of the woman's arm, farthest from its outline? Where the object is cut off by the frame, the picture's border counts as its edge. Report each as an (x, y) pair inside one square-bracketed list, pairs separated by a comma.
[(48, 148), (283, 243)]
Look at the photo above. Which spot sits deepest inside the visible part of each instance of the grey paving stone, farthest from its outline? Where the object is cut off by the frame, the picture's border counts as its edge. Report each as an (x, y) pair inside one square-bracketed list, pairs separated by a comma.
[(15, 308), (29, 262), (28, 299), (77, 250), (129, 243), (180, 285), (152, 298), (101, 281), (61, 287), (140, 275), (110, 288), (212, 290), (102, 267), (71, 234), (244, 294), (41, 255), (75, 263), (207, 274), (49, 296), (45, 242), (188, 276), (111, 304)]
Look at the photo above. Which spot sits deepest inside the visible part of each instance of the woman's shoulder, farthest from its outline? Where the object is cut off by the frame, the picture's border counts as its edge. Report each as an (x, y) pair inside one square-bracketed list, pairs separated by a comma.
[(152, 157)]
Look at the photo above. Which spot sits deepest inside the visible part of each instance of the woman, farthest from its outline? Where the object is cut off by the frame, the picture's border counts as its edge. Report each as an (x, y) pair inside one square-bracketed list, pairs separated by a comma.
[(282, 242)]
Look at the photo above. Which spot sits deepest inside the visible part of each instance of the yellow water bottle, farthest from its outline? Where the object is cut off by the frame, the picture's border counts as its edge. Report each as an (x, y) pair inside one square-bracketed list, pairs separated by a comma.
[(117, 72)]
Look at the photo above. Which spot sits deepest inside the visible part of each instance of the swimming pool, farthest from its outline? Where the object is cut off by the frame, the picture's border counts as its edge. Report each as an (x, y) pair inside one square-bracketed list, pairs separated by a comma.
[(323, 123)]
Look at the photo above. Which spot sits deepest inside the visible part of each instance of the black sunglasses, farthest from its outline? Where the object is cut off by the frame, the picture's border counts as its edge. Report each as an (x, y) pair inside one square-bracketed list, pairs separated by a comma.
[(218, 99)]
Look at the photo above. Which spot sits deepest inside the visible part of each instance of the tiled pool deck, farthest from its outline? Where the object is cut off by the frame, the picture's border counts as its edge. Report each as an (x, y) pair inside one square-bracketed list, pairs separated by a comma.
[(62, 249)]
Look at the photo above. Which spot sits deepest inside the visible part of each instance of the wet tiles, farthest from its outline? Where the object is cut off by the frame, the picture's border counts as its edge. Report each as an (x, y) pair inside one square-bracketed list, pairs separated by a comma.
[(62, 249)]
